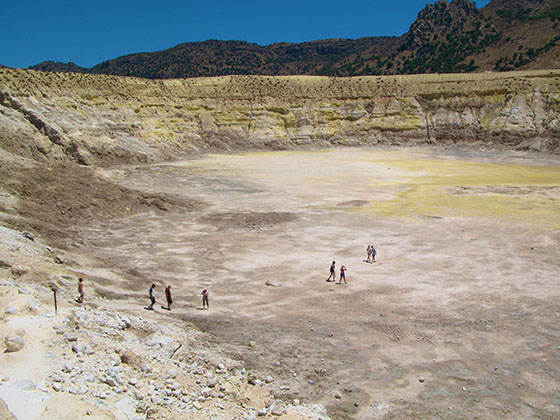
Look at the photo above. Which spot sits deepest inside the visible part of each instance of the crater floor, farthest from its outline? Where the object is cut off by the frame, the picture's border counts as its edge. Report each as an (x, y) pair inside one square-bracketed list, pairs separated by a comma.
[(458, 318)]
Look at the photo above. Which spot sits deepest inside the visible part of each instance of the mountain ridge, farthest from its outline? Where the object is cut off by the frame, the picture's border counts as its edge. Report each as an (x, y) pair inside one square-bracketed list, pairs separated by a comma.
[(452, 36)]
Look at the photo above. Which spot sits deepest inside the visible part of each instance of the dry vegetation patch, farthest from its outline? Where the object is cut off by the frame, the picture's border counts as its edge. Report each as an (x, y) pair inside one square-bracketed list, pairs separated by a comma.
[(252, 220)]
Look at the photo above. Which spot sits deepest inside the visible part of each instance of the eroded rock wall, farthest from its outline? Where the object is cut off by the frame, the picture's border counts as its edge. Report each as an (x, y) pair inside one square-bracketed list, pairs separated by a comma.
[(99, 119)]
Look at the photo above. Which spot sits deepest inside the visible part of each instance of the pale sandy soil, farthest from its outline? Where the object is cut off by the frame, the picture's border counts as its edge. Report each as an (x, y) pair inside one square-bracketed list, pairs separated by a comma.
[(459, 317)]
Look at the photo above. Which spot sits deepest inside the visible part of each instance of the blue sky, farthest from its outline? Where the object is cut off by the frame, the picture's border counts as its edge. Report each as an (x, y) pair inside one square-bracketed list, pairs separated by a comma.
[(89, 32)]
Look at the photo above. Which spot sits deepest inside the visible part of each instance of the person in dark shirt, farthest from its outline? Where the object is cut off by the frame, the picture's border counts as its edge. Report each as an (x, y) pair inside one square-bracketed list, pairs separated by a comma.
[(152, 298), (333, 272), (205, 302), (168, 297)]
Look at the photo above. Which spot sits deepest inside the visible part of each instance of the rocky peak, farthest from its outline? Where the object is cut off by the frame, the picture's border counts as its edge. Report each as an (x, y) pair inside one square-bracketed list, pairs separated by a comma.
[(441, 18), (443, 36)]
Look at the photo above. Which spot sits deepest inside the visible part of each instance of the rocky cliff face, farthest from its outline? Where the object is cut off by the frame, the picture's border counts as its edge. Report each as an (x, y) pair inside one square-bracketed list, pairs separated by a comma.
[(96, 119)]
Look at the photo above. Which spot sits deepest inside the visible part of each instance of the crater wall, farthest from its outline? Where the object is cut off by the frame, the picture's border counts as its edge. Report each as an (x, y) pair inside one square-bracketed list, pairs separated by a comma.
[(96, 119)]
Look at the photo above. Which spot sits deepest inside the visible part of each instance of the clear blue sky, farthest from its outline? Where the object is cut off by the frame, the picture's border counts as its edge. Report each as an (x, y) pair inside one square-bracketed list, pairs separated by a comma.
[(88, 32)]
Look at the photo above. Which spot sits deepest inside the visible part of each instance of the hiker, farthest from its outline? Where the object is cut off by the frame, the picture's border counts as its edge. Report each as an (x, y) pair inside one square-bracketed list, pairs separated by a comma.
[(368, 250), (152, 298), (373, 254), (80, 290), (342, 275), (168, 297), (205, 304), (333, 272)]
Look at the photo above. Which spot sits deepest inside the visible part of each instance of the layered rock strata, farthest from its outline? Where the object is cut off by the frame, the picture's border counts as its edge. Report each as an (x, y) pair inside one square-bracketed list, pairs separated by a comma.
[(94, 119)]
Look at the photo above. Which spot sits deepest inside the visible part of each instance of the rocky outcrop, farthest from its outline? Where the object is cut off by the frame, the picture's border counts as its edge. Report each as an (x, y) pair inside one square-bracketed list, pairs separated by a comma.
[(95, 119)]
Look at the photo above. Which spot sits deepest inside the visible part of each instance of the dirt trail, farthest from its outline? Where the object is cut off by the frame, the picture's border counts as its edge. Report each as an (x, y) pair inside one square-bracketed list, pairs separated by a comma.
[(459, 316)]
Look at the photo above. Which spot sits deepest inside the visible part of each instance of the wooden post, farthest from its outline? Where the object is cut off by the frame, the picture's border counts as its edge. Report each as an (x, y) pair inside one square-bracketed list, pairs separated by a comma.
[(54, 288), (55, 305)]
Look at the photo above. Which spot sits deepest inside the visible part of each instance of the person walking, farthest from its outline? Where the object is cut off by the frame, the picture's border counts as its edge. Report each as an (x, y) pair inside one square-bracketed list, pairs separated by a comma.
[(342, 275), (152, 298), (368, 250), (373, 254), (80, 290), (168, 297), (205, 302), (333, 272)]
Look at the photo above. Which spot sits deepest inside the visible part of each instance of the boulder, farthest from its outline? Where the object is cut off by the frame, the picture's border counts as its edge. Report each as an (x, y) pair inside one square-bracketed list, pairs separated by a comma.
[(4, 263), (79, 348), (212, 382), (207, 393), (18, 271), (29, 236), (130, 358), (126, 322), (110, 381), (59, 259), (14, 344)]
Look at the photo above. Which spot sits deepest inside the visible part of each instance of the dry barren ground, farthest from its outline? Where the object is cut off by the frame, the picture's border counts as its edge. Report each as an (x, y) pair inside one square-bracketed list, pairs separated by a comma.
[(458, 318)]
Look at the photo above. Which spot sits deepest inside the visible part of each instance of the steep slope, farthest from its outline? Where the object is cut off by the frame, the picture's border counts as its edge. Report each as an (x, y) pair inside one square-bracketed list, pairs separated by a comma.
[(531, 35)]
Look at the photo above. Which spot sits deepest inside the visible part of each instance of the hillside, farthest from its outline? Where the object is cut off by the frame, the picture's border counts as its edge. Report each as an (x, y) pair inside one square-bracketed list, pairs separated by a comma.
[(446, 37)]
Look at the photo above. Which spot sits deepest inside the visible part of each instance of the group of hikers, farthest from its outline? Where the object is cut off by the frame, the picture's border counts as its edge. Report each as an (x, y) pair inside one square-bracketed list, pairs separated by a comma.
[(371, 253), (168, 297), (333, 273), (205, 296), (205, 301)]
